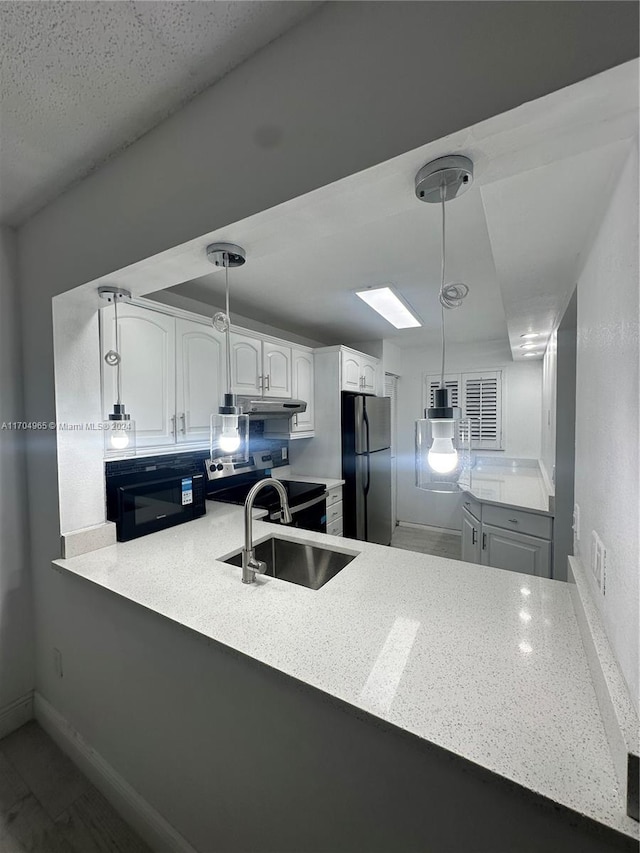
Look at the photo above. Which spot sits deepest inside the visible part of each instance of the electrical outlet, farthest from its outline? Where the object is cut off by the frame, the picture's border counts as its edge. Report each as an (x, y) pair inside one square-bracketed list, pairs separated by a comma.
[(285, 454), (596, 565), (57, 662)]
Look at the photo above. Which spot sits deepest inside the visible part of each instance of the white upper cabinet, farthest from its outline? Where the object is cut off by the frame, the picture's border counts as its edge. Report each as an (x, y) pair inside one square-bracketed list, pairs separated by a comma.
[(303, 389), (370, 375), (351, 372), (246, 364), (147, 347), (259, 367), (174, 373), (276, 369), (200, 378), (360, 373)]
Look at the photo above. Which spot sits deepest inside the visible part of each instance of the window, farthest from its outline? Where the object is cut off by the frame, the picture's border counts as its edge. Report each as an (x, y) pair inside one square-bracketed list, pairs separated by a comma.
[(480, 397)]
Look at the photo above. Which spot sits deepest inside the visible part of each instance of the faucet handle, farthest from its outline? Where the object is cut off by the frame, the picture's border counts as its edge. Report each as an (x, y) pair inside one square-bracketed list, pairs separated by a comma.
[(257, 566)]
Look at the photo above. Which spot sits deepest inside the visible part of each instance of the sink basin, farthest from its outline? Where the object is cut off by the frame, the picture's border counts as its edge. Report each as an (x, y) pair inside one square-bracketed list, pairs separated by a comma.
[(307, 565)]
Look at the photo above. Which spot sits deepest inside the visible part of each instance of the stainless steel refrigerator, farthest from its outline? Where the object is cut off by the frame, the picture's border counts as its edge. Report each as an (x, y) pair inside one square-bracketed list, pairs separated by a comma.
[(366, 467)]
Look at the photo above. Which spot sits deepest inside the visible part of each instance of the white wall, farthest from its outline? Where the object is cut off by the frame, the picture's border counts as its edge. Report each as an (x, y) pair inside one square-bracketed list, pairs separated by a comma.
[(16, 647), (341, 90), (521, 401), (606, 484)]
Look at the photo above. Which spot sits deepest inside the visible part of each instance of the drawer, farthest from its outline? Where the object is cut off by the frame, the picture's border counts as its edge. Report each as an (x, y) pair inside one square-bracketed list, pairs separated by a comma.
[(472, 505), (334, 496), (335, 527), (517, 520), (334, 512)]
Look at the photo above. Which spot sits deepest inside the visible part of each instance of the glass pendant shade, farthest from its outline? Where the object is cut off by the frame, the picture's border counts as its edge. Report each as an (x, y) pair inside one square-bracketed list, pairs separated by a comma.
[(443, 450), (119, 433), (443, 454), (229, 436)]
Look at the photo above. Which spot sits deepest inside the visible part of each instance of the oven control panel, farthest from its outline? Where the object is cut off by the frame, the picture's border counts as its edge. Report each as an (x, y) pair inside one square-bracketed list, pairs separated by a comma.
[(217, 469)]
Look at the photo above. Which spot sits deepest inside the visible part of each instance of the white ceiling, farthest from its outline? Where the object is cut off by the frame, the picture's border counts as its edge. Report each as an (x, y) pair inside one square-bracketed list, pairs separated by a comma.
[(517, 238), (82, 80)]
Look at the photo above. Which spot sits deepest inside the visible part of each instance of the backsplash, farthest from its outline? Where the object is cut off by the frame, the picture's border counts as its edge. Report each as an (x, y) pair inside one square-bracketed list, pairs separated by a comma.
[(192, 461)]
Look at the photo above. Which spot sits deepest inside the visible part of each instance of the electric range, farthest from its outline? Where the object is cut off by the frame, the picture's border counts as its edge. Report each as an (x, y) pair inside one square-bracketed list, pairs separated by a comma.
[(307, 501)]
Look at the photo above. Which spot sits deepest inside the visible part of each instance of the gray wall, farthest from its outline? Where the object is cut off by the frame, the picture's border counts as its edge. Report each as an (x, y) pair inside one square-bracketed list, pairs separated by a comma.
[(565, 438), (353, 85), (16, 646)]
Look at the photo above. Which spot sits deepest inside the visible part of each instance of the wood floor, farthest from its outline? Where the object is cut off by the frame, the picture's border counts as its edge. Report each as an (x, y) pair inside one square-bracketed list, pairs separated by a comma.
[(428, 542), (48, 806)]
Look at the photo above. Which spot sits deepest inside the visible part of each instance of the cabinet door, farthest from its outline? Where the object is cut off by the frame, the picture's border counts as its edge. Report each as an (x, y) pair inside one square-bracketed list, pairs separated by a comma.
[(351, 372), (276, 366), (370, 374), (470, 538), (517, 552), (303, 389), (148, 376), (200, 378), (246, 364)]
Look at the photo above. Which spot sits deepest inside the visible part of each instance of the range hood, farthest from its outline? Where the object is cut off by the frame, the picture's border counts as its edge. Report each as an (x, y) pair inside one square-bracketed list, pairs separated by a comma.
[(260, 409)]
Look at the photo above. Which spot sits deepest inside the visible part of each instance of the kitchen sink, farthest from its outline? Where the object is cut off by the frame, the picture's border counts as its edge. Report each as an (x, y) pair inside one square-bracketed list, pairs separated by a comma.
[(306, 565)]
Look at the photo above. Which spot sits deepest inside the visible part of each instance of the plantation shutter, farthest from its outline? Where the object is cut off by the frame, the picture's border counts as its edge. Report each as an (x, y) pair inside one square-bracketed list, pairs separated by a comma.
[(482, 396)]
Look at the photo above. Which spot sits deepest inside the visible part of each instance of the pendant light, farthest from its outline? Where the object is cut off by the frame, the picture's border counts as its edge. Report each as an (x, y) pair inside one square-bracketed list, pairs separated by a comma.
[(439, 462), (119, 429), (229, 427)]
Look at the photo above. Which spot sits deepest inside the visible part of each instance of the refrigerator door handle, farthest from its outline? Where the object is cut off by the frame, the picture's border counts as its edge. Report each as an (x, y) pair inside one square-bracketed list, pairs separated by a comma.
[(366, 429)]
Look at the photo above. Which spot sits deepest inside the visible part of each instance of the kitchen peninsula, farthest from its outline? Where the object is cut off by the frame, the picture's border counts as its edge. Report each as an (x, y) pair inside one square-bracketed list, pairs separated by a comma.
[(408, 691)]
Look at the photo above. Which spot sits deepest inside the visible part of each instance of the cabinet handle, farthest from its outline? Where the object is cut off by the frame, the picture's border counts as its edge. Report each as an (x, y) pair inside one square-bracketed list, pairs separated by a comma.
[(173, 425), (474, 536), (183, 419), (512, 520), (261, 382), (267, 379), (484, 541)]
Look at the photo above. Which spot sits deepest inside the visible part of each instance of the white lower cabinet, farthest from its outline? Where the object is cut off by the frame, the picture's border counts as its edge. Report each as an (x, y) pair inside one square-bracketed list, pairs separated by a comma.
[(525, 549), (334, 511), (504, 549), (471, 536)]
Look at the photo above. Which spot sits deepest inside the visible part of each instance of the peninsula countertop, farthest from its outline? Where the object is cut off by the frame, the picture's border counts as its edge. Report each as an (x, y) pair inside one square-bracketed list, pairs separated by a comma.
[(486, 663), (511, 483)]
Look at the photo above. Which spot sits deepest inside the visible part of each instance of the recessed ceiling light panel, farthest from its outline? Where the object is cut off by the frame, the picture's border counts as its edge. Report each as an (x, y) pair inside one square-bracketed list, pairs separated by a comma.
[(531, 335), (389, 305)]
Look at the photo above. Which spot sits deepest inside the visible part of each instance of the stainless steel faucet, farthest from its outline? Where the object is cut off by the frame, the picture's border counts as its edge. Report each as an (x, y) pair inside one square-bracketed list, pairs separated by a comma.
[(249, 563)]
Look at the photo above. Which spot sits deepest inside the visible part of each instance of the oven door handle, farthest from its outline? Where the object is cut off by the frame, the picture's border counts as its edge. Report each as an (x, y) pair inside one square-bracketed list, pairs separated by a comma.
[(299, 507)]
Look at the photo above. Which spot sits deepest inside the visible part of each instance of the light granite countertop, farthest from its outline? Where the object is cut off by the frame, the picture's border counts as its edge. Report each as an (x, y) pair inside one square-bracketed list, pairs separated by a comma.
[(488, 664), (520, 486)]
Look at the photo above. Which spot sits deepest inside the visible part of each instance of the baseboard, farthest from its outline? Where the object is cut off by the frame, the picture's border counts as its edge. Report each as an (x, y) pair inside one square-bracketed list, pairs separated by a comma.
[(429, 529), (616, 708), (16, 714), (138, 813)]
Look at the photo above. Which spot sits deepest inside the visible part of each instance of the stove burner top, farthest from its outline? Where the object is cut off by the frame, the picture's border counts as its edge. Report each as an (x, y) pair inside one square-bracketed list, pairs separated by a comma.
[(298, 493)]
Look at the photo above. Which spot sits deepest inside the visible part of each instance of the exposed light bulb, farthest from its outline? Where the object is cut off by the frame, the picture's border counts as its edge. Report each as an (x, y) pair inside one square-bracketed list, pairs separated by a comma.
[(442, 457), (229, 440), (531, 335), (229, 443), (119, 440)]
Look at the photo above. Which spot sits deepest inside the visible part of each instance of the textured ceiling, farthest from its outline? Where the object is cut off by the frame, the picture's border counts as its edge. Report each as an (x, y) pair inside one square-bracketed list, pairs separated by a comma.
[(82, 80)]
